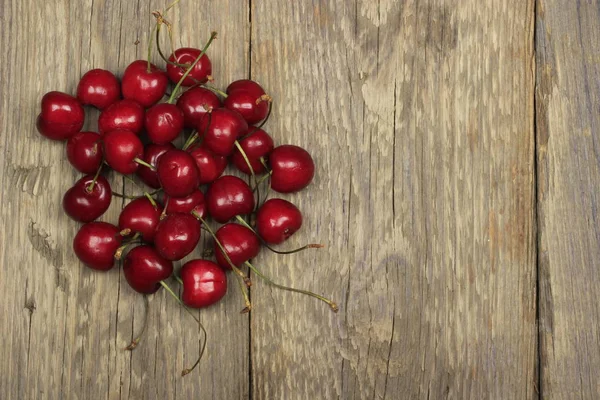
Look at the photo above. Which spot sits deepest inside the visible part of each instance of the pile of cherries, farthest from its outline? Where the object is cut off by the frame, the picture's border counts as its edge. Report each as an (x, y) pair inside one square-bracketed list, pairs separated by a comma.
[(186, 185)]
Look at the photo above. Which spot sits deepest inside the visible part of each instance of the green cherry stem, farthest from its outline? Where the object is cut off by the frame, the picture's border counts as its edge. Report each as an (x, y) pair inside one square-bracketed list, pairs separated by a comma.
[(90, 187), (144, 163), (138, 337), (214, 89), (270, 100)]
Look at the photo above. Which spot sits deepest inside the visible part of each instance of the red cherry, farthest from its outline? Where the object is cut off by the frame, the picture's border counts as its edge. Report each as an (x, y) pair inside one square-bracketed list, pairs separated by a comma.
[(193, 202), (84, 152), (96, 243), (187, 55), (98, 88), (84, 205), (61, 117), (176, 236), (144, 268), (178, 173), (221, 129), (192, 103), (152, 153), (277, 220), (239, 242), (141, 216), (211, 165), (227, 197), (252, 108), (245, 85), (163, 123), (204, 283), (124, 114), (293, 168), (121, 148), (256, 145), (144, 85)]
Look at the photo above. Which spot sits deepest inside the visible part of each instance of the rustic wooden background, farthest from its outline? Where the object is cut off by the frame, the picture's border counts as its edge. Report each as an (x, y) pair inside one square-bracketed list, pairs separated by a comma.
[(457, 190)]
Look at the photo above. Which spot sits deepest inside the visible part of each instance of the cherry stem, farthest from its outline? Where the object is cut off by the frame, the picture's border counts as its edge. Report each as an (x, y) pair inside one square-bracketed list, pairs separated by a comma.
[(178, 279), (90, 187), (213, 35), (138, 337), (160, 20), (126, 196), (150, 42), (163, 214), (151, 199), (120, 250), (261, 180), (144, 163), (190, 140), (268, 112), (215, 90)]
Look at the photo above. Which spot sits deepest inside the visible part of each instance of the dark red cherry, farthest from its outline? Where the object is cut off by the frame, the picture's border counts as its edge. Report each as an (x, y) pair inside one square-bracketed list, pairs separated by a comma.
[(239, 242), (192, 103), (163, 123), (176, 236), (121, 148), (245, 85), (124, 114), (187, 55), (227, 197), (210, 164), (61, 116), (98, 88), (144, 268), (293, 168), (144, 83), (192, 202), (141, 216), (84, 152), (96, 243), (85, 205), (220, 129), (252, 108), (277, 220), (152, 153), (204, 283), (178, 173), (256, 145)]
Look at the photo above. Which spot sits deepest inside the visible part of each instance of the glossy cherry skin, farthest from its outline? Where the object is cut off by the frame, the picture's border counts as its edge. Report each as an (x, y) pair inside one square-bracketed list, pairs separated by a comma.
[(178, 173), (143, 86), (252, 108), (85, 206), (192, 103), (227, 197), (124, 114), (84, 152), (256, 145), (277, 220), (99, 88), (220, 129), (152, 152), (141, 217), (96, 243), (163, 123), (144, 268), (239, 242), (245, 85), (210, 164), (193, 202), (121, 147), (176, 236), (204, 283), (293, 168), (61, 116), (187, 55)]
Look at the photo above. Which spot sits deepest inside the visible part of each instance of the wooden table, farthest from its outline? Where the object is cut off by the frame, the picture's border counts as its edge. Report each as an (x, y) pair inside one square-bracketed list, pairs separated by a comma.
[(458, 168)]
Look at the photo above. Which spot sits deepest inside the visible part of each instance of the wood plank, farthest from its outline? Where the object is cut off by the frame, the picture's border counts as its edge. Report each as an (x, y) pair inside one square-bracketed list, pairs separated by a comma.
[(568, 155), (420, 118)]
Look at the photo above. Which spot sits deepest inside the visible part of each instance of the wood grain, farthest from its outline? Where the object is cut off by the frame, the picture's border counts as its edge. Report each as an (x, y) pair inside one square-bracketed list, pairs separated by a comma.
[(568, 155)]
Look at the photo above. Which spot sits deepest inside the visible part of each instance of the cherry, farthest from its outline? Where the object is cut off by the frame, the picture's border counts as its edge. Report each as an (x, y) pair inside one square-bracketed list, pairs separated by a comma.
[(187, 55), (193, 102), (227, 197), (144, 83), (124, 114), (121, 148), (164, 122), (141, 216), (252, 108), (178, 173), (245, 85), (221, 128), (87, 200), (211, 165), (239, 242), (84, 152), (98, 88), (277, 220), (293, 168), (204, 283), (256, 145), (96, 243), (192, 202), (152, 153), (61, 117), (144, 269), (177, 235)]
